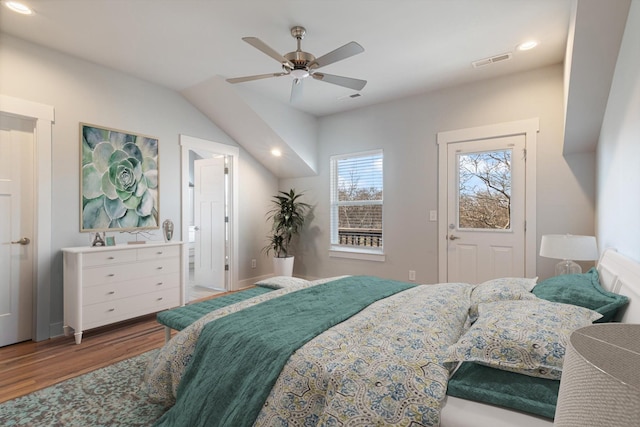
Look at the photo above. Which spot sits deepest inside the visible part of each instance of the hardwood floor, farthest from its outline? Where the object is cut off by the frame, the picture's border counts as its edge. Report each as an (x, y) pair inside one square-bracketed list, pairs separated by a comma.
[(31, 366)]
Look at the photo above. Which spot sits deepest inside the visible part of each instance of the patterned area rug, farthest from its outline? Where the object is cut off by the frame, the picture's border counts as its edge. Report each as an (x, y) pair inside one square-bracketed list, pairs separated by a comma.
[(111, 396)]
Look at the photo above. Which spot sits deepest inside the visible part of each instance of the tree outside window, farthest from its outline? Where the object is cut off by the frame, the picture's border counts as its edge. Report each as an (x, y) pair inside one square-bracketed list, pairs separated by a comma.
[(484, 197)]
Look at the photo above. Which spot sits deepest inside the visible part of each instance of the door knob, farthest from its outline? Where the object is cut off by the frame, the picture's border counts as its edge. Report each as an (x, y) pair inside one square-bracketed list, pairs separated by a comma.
[(23, 241), (452, 237)]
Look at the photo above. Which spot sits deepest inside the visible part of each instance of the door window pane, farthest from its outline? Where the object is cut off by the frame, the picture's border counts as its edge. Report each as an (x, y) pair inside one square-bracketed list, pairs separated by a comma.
[(484, 192)]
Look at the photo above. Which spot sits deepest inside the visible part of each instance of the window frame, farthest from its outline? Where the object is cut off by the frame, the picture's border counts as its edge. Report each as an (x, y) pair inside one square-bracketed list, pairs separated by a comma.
[(351, 251)]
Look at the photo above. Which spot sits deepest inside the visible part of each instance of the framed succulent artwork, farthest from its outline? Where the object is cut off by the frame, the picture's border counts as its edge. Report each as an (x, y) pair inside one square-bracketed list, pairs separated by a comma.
[(119, 185)]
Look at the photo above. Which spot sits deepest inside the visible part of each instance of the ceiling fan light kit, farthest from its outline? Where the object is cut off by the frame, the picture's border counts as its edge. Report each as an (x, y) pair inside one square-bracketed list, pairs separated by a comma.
[(299, 74), (300, 64)]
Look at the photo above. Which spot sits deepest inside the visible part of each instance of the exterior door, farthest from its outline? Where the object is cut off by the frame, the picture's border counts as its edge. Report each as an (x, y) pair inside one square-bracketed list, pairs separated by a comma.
[(210, 226), (16, 229), (486, 209)]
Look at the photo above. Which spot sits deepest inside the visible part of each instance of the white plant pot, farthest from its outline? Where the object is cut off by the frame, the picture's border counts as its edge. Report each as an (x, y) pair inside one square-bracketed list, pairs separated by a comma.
[(283, 266)]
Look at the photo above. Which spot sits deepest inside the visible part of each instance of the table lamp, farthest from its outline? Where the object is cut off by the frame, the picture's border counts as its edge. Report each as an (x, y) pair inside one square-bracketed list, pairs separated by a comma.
[(569, 248)]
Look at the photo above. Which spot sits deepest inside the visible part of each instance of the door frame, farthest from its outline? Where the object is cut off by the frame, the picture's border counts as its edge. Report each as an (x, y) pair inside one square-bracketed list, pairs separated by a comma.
[(190, 142), (527, 127), (43, 115)]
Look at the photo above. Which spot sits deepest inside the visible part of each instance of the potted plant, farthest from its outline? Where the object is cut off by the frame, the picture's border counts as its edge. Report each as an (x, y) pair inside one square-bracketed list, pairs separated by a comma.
[(287, 215)]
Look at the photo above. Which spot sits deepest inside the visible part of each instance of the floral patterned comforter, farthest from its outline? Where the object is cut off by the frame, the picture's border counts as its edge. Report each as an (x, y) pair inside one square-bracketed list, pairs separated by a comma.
[(383, 366)]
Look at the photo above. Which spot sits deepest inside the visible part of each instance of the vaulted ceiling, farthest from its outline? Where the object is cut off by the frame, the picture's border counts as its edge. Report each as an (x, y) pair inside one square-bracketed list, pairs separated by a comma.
[(410, 47)]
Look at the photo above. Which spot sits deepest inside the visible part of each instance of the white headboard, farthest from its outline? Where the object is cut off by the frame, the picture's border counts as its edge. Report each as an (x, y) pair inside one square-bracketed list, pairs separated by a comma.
[(621, 275)]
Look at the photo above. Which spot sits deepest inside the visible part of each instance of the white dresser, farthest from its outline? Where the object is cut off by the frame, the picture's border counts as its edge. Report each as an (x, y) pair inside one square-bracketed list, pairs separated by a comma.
[(104, 285)]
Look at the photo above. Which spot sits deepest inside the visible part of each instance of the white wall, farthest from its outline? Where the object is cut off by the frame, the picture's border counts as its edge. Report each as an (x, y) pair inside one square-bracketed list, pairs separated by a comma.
[(296, 128), (618, 157), (406, 131), (84, 92)]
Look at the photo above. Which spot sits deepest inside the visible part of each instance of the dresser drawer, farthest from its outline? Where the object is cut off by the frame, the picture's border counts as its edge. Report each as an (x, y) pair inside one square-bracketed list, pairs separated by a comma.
[(113, 291), (124, 272), (108, 257), (158, 252), (114, 311)]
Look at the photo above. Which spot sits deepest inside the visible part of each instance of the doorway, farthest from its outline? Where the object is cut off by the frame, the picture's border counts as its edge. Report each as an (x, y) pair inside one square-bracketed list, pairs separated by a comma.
[(209, 216), (486, 202), (16, 228), (42, 117)]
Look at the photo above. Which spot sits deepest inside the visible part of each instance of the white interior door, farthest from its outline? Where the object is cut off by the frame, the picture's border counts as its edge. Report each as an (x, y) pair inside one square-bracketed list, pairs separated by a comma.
[(209, 219), (16, 229), (486, 209)]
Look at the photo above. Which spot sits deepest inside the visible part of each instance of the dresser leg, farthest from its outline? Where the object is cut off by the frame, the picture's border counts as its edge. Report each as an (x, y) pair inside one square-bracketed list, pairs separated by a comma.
[(78, 336), (167, 334)]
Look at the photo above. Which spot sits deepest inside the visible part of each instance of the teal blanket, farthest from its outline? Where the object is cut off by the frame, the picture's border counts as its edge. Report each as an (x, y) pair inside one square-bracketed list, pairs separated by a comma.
[(509, 389), (238, 357)]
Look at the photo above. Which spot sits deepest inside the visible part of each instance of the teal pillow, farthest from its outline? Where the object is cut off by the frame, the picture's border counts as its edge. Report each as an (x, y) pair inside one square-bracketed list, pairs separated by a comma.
[(583, 290), (508, 389)]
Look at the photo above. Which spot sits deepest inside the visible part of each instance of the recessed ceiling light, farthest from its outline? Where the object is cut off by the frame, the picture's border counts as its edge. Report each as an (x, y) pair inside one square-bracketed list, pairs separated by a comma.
[(19, 7), (527, 45), (276, 153)]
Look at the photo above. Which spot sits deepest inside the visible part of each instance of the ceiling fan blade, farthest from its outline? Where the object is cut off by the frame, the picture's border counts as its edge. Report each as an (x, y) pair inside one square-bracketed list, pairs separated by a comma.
[(264, 48), (256, 77), (296, 91), (343, 52), (355, 84)]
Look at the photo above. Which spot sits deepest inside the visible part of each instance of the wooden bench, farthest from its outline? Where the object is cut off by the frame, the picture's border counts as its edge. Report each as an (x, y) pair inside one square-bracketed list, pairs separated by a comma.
[(181, 317)]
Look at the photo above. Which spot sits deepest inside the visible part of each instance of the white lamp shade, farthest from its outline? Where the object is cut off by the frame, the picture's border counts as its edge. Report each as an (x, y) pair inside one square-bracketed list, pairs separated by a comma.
[(569, 246), (600, 383)]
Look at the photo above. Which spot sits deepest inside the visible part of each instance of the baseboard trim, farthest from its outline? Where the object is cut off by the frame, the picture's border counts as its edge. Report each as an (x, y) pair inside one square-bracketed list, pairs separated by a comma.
[(56, 329), (246, 283)]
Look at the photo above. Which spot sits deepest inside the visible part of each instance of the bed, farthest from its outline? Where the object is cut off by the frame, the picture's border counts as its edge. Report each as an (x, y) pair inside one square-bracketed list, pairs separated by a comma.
[(386, 362)]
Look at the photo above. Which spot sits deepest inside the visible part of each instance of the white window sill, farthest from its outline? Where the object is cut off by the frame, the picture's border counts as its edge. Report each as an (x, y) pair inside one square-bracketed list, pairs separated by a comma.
[(341, 252)]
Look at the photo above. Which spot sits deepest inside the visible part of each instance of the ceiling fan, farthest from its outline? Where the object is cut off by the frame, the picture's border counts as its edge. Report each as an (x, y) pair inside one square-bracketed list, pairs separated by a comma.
[(300, 64)]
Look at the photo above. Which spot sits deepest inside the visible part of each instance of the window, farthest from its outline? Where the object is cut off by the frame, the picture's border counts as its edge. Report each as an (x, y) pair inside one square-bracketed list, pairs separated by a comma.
[(484, 193), (356, 203)]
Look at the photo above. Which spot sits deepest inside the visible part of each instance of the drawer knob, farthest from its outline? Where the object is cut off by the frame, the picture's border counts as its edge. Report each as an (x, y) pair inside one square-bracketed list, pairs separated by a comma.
[(160, 268), (159, 283), (112, 309), (110, 275), (160, 299), (111, 292), (159, 253), (111, 257)]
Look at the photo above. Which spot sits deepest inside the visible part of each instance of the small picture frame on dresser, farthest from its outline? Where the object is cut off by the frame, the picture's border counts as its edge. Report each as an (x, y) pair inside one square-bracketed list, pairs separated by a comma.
[(110, 240)]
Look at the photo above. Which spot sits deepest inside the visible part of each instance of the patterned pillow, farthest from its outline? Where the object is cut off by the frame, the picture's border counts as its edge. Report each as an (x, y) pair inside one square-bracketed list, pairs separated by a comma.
[(279, 282), (507, 288), (528, 337)]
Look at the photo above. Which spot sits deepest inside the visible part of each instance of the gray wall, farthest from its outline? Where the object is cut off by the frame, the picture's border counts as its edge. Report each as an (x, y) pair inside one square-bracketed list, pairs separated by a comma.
[(619, 150), (84, 92), (406, 131)]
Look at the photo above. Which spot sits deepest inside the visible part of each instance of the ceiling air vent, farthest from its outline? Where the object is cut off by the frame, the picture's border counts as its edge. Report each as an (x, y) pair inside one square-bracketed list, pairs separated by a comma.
[(352, 96), (492, 60)]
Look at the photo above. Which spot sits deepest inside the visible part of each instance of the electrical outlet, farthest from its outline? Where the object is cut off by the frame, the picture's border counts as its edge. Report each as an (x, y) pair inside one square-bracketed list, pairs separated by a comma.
[(253, 263), (433, 215), (412, 275)]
